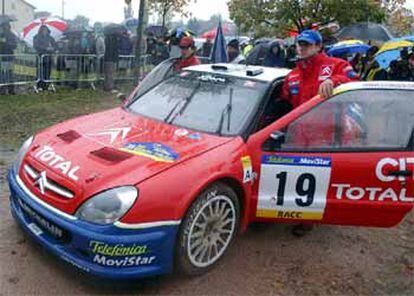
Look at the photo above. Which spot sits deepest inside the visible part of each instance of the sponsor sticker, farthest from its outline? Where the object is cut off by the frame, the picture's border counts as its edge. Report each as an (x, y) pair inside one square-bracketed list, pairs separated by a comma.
[(155, 151), (48, 156), (247, 169), (35, 229), (120, 255), (293, 187)]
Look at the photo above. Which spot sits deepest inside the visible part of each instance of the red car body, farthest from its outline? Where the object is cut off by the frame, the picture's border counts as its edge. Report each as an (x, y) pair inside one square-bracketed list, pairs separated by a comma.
[(93, 153)]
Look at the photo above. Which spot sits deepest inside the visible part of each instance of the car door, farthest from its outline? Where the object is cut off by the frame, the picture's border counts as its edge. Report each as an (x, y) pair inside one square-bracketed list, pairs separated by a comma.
[(348, 160)]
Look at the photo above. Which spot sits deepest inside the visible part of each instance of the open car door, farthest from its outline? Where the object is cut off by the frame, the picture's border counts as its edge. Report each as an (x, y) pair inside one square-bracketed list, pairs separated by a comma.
[(348, 160)]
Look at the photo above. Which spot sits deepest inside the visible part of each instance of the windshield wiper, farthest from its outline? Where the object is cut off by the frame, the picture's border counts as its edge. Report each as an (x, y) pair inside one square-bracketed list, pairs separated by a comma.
[(187, 102), (227, 110)]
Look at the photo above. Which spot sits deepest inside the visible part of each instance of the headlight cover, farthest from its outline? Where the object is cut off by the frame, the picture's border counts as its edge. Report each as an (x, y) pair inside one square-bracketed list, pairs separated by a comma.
[(22, 152), (109, 206)]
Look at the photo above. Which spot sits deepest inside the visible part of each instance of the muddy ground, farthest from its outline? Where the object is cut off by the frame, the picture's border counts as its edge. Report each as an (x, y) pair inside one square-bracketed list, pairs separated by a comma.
[(266, 260)]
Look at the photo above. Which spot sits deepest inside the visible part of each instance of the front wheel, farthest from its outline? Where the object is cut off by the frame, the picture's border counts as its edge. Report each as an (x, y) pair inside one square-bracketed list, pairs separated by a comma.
[(208, 229)]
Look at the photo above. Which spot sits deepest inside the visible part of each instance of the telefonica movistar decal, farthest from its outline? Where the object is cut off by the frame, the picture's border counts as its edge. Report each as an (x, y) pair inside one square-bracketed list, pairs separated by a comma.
[(120, 255), (116, 250)]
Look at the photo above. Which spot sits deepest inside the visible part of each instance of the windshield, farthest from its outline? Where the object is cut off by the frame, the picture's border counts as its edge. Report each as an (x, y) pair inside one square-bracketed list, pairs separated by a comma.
[(202, 101)]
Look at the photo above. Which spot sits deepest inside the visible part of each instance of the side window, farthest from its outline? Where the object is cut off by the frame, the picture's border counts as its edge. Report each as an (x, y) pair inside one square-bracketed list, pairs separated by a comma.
[(356, 120), (274, 109)]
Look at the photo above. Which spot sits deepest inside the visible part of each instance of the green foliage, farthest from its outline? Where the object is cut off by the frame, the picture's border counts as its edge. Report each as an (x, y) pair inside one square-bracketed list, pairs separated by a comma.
[(281, 16)]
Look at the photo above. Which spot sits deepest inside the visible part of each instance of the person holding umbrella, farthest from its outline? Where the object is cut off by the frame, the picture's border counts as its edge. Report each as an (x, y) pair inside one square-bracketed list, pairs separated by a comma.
[(8, 43), (44, 44)]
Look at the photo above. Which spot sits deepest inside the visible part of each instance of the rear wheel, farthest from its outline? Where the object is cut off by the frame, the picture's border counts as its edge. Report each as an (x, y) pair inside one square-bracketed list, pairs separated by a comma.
[(208, 229)]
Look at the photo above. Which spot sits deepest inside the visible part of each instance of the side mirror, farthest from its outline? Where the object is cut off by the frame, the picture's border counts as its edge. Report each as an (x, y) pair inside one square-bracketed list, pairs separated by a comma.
[(278, 137), (122, 97), (274, 142)]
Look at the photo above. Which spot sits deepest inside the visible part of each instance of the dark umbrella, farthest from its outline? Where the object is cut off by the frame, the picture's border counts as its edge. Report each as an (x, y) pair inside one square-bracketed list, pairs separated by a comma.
[(7, 19), (365, 31), (77, 30), (263, 40), (158, 31), (115, 29)]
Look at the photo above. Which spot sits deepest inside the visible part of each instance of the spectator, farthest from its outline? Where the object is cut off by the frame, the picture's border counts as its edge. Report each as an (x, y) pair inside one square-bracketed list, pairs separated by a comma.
[(188, 57), (233, 52), (291, 57), (174, 47), (45, 45), (8, 44), (246, 47), (368, 61), (111, 58), (161, 51), (125, 44), (376, 73), (206, 49), (275, 56), (100, 49)]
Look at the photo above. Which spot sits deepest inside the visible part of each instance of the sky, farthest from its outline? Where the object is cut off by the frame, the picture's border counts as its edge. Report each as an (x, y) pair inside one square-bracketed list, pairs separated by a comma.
[(112, 10)]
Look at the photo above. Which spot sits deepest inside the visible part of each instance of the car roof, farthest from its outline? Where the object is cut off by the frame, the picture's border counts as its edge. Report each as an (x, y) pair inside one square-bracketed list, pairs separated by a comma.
[(360, 85), (240, 71)]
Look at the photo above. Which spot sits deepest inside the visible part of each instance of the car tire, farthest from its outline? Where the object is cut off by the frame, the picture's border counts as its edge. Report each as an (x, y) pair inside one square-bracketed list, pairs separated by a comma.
[(208, 229)]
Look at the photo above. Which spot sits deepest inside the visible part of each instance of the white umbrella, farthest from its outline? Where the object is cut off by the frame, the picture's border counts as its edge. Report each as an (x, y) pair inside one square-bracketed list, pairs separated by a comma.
[(55, 25)]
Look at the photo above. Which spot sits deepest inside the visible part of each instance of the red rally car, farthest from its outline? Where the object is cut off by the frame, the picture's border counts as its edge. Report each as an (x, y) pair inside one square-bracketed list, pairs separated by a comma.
[(172, 176)]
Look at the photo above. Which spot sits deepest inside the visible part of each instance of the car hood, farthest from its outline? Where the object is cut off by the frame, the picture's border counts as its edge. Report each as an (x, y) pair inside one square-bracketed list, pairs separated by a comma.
[(92, 153)]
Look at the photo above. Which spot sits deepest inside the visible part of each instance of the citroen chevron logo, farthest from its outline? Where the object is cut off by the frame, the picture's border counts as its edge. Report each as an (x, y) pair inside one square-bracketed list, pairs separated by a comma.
[(114, 133), (41, 181)]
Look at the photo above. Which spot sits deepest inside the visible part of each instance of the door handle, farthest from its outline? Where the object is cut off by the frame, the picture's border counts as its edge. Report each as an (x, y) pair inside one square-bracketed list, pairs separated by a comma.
[(406, 173)]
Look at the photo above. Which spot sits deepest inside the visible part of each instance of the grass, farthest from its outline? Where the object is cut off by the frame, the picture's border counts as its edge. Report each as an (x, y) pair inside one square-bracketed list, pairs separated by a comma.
[(24, 115)]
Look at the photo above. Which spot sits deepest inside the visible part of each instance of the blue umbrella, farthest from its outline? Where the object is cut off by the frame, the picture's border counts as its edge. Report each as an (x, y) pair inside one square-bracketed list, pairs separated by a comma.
[(348, 49), (219, 51)]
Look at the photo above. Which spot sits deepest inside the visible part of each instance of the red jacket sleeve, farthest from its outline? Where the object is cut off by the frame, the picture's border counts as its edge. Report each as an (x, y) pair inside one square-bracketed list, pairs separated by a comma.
[(343, 73)]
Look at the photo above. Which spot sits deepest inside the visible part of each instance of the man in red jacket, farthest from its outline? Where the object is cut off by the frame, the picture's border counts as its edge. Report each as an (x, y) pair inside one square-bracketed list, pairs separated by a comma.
[(315, 72), (188, 57)]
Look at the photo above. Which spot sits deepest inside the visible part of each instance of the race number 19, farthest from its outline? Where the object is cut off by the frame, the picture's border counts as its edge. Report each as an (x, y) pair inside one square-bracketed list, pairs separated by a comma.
[(293, 187)]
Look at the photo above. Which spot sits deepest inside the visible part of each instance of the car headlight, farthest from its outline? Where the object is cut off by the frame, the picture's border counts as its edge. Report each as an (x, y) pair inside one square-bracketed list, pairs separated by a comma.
[(109, 206), (22, 152)]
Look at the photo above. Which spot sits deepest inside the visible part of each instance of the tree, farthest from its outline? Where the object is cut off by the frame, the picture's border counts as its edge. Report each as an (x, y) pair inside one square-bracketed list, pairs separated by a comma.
[(164, 8), (79, 21), (400, 19), (284, 15)]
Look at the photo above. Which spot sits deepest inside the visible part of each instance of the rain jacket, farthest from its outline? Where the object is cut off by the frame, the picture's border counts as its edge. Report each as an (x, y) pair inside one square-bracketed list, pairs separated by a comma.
[(303, 82), (183, 63), (272, 60), (44, 44)]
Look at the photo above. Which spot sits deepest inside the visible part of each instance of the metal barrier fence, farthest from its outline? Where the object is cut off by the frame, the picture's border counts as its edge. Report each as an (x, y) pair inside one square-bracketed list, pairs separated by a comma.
[(67, 69), (18, 69)]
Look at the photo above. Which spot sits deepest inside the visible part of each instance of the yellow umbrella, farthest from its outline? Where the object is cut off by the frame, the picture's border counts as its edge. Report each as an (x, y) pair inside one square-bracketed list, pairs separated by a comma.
[(392, 45)]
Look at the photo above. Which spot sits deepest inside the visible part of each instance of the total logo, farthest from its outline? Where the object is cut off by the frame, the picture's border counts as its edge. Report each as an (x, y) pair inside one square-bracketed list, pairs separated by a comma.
[(48, 155), (382, 172)]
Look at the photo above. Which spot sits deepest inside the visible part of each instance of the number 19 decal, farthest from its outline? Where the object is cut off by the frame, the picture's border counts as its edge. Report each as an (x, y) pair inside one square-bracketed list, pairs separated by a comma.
[(292, 187)]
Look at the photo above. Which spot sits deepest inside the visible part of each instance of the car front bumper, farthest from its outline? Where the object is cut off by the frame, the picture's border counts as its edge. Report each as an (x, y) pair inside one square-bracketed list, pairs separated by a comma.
[(105, 251)]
